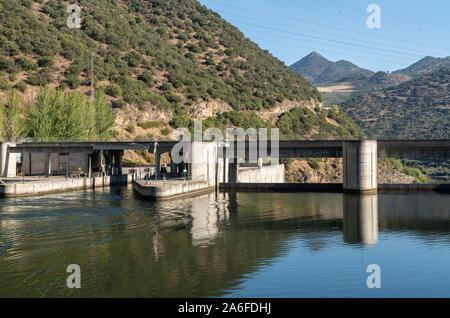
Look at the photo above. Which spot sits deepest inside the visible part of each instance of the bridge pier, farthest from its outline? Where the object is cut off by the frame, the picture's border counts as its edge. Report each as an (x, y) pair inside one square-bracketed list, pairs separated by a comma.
[(233, 168), (157, 165), (7, 160), (360, 166), (48, 164)]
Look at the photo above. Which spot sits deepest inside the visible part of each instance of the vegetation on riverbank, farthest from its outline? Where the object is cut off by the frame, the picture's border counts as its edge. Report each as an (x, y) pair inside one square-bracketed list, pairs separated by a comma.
[(57, 116)]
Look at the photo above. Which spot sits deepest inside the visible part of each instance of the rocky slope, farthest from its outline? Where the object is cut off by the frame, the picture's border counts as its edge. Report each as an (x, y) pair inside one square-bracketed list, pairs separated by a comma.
[(331, 171)]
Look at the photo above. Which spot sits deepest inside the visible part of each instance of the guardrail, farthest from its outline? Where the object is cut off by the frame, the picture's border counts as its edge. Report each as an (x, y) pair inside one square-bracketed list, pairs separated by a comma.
[(167, 181)]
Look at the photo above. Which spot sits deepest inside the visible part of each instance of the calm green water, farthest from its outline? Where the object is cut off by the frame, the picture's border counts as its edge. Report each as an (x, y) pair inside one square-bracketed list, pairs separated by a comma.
[(234, 244)]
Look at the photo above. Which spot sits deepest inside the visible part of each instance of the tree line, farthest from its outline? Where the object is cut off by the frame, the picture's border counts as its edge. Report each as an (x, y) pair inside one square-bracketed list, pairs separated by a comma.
[(57, 116)]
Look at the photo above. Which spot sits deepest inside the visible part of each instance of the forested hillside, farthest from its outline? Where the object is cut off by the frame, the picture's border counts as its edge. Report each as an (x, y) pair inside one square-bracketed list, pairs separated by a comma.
[(165, 52), (417, 109), (426, 65), (159, 62)]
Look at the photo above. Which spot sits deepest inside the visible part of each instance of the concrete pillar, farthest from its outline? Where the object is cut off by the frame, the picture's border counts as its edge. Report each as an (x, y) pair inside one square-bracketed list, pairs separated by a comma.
[(203, 159), (117, 156), (29, 164), (8, 163), (119, 161), (360, 166), (158, 165), (226, 163), (173, 167), (233, 168), (108, 162), (102, 161), (90, 166), (48, 165), (360, 222)]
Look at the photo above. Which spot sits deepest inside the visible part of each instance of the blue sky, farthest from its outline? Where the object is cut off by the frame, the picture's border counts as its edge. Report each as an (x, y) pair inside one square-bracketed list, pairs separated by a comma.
[(337, 29)]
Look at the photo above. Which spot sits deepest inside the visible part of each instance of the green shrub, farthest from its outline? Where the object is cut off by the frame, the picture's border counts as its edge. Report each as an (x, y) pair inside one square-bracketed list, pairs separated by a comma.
[(314, 163), (40, 78), (133, 59), (21, 86), (5, 63), (26, 64), (146, 77), (73, 81), (151, 124), (46, 61), (130, 128), (4, 84), (114, 90), (165, 131), (120, 103)]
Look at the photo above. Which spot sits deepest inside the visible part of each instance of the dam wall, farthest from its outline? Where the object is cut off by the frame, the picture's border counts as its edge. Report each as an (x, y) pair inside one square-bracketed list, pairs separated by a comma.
[(264, 174)]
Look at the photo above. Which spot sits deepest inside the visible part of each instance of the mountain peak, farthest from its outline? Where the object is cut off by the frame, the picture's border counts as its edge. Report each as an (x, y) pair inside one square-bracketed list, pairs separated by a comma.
[(426, 65), (320, 71)]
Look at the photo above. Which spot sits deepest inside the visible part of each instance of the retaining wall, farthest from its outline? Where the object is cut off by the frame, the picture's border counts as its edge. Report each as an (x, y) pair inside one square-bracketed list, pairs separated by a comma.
[(168, 189), (264, 174), (51, 185)]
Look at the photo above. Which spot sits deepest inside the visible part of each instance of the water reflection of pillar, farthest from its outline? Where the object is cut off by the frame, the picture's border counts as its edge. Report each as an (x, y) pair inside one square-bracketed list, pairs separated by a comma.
[(206, 214), (360, 223)]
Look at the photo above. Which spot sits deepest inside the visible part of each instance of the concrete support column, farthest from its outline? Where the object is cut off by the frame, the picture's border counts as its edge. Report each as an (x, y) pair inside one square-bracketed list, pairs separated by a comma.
[(102, 161), (48, 165), (8, 164), (260, 162), (90, 166), (119, 161), (226, 163), (360, 166), (117, 156), (158, 165), (108, 163), (233, 172), (173, 167)]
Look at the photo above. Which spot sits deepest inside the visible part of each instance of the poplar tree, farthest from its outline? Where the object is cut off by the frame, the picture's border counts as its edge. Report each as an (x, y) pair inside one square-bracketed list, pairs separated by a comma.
[(42, 117), (104, 117), (14, 124)]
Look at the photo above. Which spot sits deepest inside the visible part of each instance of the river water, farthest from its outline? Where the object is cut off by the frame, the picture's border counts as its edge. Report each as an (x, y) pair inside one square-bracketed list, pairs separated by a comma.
[(227, 245)]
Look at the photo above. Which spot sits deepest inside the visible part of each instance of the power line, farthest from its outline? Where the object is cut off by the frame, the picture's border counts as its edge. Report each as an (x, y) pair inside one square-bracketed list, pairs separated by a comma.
[(329, 26), (325, 50), (419, 53), (359, 56), (334, 41)]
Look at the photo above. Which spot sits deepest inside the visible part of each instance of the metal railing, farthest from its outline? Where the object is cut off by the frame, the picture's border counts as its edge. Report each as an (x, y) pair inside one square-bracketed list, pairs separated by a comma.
[(171, 180)]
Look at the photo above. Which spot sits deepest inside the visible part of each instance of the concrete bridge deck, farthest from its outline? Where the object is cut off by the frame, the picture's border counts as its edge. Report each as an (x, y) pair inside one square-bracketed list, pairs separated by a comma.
[(359, 156), (413, 149)]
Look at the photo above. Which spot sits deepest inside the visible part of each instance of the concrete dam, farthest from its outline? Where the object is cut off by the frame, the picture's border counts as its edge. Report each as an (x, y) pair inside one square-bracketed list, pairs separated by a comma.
[(34, 168)]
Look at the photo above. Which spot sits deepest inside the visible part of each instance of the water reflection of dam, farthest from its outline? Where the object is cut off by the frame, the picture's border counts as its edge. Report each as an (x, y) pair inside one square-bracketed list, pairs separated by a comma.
[(360, 220), (207, 214)]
